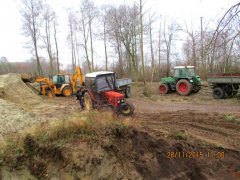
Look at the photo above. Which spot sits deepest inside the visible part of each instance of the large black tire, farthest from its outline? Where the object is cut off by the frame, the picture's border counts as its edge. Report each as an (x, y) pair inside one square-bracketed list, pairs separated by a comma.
[(88, 102), (218, 93), (163, 88), (67, 91), (127, 110), (184, 87), (128, 92)]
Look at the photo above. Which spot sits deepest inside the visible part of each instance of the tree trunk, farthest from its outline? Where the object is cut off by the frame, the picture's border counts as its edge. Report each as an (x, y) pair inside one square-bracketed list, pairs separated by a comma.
[(85, 44), (152, 53), (105, 44), (56, 46), (90, 33), (146, 91)]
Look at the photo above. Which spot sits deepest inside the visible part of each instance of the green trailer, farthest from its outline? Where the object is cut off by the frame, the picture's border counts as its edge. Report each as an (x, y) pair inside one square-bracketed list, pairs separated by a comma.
[(224, 84)]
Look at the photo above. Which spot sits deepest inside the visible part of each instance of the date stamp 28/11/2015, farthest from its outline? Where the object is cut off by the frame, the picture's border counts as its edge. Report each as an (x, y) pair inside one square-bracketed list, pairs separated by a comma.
[(195, 154)]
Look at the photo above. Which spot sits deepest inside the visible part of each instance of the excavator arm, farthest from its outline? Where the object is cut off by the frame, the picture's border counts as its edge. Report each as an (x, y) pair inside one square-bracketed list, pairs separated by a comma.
[(47, 84), (78, 75)]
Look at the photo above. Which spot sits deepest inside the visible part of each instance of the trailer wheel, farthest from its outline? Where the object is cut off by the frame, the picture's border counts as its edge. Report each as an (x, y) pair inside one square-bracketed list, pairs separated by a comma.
[(218, 93), (230, 92), (128, 92)]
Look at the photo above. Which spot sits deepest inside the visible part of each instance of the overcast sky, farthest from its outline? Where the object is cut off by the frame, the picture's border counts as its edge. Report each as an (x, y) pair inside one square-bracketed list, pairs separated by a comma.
[(12, 41)]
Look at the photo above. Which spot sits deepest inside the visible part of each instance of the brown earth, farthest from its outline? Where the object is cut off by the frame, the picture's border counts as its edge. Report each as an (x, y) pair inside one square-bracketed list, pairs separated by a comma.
[(165, 124)]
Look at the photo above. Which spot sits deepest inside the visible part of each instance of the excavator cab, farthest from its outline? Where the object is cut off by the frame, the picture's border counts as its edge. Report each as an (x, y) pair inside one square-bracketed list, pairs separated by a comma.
[(63, 84), (59, 80)]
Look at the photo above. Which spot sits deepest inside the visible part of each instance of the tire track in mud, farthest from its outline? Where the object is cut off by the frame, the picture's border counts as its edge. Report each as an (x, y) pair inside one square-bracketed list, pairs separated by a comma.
[(209, 128)]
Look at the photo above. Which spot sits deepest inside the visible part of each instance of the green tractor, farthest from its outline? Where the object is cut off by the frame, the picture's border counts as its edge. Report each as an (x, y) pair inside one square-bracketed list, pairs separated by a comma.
[(183, 80)]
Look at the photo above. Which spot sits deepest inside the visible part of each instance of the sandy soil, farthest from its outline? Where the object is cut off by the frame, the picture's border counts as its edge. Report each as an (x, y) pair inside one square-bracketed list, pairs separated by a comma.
[(194, 123)]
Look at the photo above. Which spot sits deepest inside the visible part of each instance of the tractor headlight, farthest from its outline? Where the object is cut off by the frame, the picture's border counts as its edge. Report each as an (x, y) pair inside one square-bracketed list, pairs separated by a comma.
[(122, 101), (119, 101), (191, 80)]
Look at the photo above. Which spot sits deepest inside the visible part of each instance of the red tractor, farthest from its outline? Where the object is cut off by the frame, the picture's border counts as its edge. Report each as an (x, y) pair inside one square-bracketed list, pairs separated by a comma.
[(101, 92)]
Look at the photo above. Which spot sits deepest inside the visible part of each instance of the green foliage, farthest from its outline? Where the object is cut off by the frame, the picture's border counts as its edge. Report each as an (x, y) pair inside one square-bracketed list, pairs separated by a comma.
[(179, 135), (229, 117)]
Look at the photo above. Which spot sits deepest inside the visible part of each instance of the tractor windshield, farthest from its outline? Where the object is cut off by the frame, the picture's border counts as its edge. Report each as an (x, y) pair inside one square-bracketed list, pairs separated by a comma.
[(105, 83), (191, 72)]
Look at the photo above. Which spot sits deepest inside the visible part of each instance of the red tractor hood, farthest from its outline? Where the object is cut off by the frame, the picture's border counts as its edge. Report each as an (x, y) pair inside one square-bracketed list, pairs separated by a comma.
[(113, 94)]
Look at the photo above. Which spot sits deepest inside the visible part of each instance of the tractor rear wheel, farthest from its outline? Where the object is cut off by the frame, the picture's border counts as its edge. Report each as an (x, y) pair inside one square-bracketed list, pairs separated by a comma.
[(127, 110), (184, 87), (218, 93), (163, 88), (88, 102), (67, 91)]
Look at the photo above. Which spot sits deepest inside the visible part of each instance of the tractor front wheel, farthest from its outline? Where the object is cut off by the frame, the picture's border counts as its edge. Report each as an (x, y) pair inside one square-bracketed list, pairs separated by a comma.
[(127, 109), (184, 87), (163, 89)]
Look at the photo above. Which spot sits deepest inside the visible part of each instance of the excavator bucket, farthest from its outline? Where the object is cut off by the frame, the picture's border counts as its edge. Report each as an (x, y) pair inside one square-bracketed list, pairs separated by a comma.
[(28, 78)]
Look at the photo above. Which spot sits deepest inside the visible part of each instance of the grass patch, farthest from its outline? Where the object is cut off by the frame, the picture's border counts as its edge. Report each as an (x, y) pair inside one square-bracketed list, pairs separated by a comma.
[(35, 146), (231, 118), (179, 135)]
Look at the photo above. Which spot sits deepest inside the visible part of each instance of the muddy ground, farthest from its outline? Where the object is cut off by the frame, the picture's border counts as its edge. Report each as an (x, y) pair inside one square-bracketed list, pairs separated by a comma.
[(196, 132)]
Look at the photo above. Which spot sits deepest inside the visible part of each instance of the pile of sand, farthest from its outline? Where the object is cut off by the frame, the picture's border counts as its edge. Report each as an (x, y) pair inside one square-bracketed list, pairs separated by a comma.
[(13, 89), (14, 118), (16, 99)]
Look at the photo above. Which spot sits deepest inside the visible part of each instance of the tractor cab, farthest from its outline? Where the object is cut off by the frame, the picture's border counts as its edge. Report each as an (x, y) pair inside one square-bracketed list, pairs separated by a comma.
[(101, 81), (183, 71)]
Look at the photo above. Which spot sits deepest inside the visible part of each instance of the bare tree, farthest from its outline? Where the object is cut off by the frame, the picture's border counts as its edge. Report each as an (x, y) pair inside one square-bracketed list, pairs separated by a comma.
[(85, 34), (89, 12), (151, 47), (168, 35), (146, 91), (55, 41), (31, 14), (72, 23), (48, 17)]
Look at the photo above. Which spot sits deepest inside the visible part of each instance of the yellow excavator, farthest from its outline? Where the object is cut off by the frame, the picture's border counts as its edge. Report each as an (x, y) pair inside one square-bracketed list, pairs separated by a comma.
[(61, 84)]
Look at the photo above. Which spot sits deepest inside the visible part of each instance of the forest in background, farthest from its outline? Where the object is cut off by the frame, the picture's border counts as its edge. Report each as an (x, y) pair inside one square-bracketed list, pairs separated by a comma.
[(137, 43)]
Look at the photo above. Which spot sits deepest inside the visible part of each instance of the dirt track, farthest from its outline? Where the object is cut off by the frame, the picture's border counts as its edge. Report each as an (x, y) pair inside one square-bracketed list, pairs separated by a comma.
[(143, 105)]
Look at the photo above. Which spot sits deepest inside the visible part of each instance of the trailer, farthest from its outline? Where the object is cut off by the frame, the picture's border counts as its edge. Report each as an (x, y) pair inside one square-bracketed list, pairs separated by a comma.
[(224, 84), (124, 86)]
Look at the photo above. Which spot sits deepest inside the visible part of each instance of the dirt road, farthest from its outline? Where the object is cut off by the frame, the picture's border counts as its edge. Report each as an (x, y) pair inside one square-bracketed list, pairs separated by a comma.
[(144, 105)]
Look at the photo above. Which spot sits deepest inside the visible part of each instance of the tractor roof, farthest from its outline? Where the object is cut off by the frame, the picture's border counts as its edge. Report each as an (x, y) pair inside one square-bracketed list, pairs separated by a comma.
[(182, 67), (95, 74)]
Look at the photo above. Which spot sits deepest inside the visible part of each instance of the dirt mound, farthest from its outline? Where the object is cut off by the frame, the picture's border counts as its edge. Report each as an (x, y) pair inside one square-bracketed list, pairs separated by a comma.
[(16, 102), (14, 118), (116, 153), (13, 89)]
